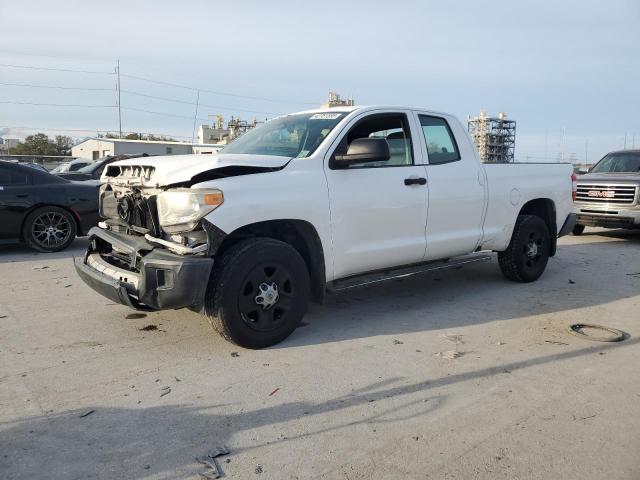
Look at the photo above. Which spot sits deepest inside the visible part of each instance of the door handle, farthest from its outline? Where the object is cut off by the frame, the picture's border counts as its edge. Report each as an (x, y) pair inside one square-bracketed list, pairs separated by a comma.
[(415, 181)]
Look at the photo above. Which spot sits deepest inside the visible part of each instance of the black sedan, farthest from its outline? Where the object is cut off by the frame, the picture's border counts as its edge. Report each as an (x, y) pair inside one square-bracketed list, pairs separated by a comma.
[(42, 210)]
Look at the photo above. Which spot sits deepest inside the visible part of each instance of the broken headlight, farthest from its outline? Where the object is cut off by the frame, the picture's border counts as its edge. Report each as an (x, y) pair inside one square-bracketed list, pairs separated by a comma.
[(180, 210)]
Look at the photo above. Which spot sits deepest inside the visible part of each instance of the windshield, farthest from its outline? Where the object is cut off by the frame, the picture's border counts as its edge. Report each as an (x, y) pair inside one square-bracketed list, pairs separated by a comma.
[(91, 167), (623, 162), (290, 136)]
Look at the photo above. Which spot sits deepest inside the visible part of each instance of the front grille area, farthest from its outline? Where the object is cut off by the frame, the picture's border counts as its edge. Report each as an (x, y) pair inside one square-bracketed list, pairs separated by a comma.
[(133, 211), (137, 172), (606, 194)]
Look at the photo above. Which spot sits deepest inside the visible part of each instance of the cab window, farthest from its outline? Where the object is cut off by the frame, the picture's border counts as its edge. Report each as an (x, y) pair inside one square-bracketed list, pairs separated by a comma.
[(394, 128), (441, 145)]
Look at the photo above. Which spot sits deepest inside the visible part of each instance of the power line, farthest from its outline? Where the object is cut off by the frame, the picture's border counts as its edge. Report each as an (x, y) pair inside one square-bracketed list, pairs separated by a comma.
[(68, 70), (30, 85), (160, 82), (88, 130), (185, 102), (161, 113), (57, 105), (176, 85)]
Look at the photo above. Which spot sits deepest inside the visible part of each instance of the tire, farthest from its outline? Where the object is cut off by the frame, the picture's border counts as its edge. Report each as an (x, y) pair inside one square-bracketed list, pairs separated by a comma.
[(233, 300), (526, 257), (578, 229), (49, 229)]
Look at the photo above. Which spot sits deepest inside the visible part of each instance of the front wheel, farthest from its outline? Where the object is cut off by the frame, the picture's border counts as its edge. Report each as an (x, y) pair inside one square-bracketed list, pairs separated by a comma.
[(258, 292), (49, 229), (578, 229), (526, 257)]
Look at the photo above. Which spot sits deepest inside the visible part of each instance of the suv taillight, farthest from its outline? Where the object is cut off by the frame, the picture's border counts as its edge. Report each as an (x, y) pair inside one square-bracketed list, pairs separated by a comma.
[(574, 186)]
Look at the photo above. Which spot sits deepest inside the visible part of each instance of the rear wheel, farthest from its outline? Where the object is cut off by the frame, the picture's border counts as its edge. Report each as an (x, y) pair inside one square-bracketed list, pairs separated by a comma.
[(526, 257), (258, 293), (49, 229), (578, 229)]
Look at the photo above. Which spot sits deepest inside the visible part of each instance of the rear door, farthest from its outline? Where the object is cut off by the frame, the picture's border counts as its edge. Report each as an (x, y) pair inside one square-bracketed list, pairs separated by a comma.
[(457, 192), (378, 210), (16, 197)]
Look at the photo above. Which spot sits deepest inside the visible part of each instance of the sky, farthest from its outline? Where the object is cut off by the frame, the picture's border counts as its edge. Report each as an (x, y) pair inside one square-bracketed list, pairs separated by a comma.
[(567, 71)]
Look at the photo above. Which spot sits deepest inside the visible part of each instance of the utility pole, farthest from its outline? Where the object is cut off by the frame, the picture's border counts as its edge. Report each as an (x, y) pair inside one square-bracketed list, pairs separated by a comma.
[(119, 102), (195, 118), (586, 151), (625, 141)]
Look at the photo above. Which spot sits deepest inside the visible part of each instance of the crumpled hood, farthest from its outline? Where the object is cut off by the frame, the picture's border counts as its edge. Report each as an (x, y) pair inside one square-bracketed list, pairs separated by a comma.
[(168, 170), (630, 178)]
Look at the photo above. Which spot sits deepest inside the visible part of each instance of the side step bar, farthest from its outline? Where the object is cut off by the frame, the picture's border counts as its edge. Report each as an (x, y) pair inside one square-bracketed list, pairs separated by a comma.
[(389, 274)]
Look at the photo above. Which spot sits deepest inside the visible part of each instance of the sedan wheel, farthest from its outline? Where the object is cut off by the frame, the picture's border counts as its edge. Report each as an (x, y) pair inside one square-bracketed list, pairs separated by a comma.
[(49, 229)]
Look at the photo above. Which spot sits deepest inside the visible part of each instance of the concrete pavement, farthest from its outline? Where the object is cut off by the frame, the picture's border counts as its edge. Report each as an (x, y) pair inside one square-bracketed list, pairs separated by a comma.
[(365, 389)]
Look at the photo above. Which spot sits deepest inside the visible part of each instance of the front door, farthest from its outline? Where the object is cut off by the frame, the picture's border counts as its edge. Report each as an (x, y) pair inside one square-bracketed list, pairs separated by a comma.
[(16, 196), (378, 210)]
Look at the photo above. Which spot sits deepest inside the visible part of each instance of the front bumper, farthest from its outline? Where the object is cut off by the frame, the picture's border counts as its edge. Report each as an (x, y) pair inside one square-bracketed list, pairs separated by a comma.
[(613, 216), (154, 280)]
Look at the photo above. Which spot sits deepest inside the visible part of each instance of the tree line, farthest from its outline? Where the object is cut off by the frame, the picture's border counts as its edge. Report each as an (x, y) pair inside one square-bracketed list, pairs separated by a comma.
[(41, 144), (60, 145)]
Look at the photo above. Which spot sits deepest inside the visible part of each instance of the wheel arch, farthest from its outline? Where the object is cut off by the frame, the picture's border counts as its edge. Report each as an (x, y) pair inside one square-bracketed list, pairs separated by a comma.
[(300, 234), (545, 208)]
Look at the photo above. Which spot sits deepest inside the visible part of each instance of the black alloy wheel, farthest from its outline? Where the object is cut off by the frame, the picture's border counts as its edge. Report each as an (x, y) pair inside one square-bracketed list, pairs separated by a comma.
[(49, 229)]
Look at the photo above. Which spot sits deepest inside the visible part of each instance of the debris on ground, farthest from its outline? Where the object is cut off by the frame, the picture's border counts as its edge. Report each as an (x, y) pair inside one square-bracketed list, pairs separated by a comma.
[(41, 267), (87, 413), (581, 329), (258, 469), (571, 282), (165, 391), (397, 342), (4, 316), (135, 316), (500, 343), (272, 393), (555, 342), (67, 286), (209, 460), (450, 354), (148, 328), (583, 418), (235, 354), (177, 379), (453, 338)]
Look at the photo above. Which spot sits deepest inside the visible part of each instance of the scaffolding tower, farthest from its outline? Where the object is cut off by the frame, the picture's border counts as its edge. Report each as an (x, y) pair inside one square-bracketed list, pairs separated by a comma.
[(495, 137)]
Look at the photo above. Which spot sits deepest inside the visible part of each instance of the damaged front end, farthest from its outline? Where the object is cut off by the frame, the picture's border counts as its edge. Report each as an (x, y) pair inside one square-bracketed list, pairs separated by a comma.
[(154, 248)]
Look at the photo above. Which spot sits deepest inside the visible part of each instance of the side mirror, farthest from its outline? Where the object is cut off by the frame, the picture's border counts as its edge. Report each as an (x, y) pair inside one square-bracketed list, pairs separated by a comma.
[(364, 150), (583, 171)]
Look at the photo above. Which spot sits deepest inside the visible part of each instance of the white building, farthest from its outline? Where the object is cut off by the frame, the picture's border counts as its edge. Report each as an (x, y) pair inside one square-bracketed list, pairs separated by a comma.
[(95, 148), (6, 144)]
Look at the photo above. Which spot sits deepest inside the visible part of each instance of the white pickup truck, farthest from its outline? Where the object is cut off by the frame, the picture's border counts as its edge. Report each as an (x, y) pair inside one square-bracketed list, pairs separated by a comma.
[(312, 202)]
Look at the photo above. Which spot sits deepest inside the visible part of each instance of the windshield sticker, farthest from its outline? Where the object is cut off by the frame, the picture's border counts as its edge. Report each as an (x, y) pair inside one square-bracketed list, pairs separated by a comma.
[(325, 116)]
